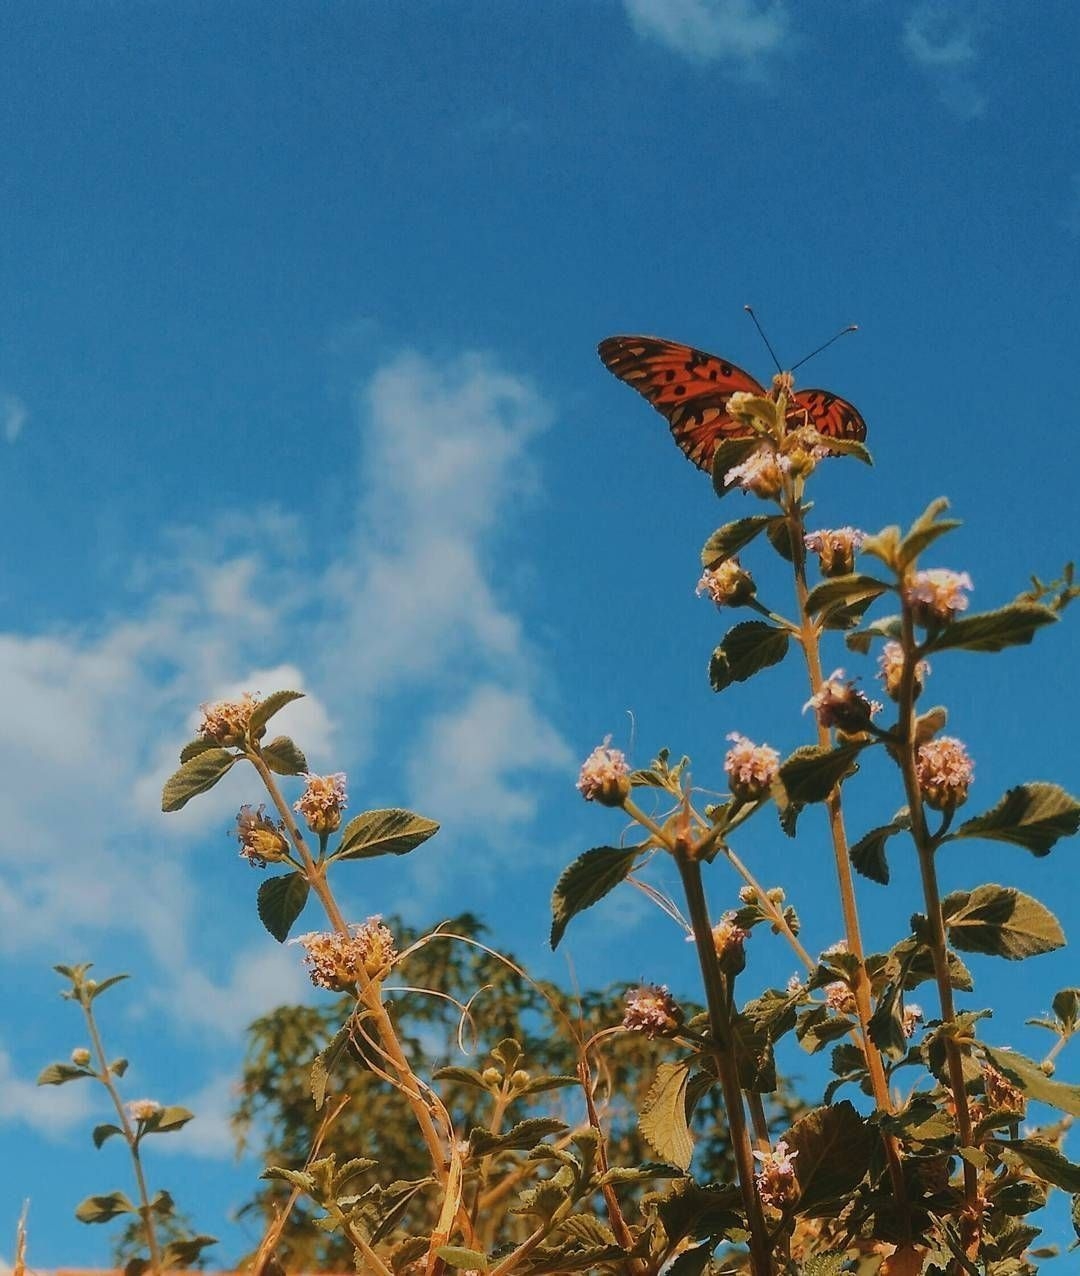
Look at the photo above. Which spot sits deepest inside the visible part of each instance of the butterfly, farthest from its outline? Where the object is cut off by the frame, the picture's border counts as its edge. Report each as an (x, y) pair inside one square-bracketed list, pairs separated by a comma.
[(692, 388)]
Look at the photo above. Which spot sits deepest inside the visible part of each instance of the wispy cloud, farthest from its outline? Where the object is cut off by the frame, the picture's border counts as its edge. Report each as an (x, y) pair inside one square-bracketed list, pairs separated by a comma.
[(940, 39), (48, 1110), (740, 32), (14, 414)]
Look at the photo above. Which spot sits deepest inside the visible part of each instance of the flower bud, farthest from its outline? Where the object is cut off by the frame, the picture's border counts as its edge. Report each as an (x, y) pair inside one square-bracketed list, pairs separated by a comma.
[(935, 596), (491, 1076), (728, 940), (944, 772), (520, 1079), (835, 548), (651, 1009), (727, 585), (604, 776), (841, 705), (322, 803), (262, 841), (142, 1109), (776, 1182), (80, 1056), (891, 662), (761, 473), (226, 721), (751, 768)]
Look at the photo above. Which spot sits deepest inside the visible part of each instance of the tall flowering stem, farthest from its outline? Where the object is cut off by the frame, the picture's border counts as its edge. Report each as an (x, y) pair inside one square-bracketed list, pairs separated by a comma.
[(926, 846), (809, 640), (314, 870)]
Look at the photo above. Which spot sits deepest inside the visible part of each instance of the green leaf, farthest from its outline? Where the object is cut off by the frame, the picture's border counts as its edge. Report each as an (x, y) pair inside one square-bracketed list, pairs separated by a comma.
[(172, 1117), (197, 774), (298, 1178), (834, 1146), (1002, 922), (540, 1085), (817, 1026), (888, 627), (100, 1209), (194, 747), (458, 1257), (1066, 1005), (662, 1119), (1033, 816), (521, 1138), (752, 1044), (728, 454), (325, 1062), (1074, 1216), (388, 832), (588, 879), (1047, 1162), (924, 531), (746, 649), (811, 773), (729, 539), (1012, 626), (779, 535), (693, 1262), (185, 1253), (265, 709), (839, 591), (463, 1076), (281, 901), (829, 1264), (868, 853), (118, 1067), (106, 984), (103, 1132), (62, 1073), (283, 757), (1029, 1077)]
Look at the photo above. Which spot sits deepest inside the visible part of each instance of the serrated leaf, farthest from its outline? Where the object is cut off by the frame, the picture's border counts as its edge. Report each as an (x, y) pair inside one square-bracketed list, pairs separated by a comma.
[(281, 900), (283, 757), (1066, 1005), (540, 1085), (840, 591), (298, 1178), (779, 535), (106, 984), (846, 447), (324, 1064), (746, 649), (888, 627), (103, 1132), (1002, 922), (1033, 816), (463, 1076), (868, 853), (1047, 1162), (194, 747), (61, 1074), (829, 1264), (457, 1256), (834, 1146), (393, 831), (752, 1044), (1029, 1077), (170, 1118), (811, 773), (265, 709), (1011, 626), (726, 541), (662, 1119), (641, 1173), (586, 881), (693, 1262), (924, 531), (101, 1209), (728, 454), (185, 1253), (817, 1026), (524, 1136), (196, 775)]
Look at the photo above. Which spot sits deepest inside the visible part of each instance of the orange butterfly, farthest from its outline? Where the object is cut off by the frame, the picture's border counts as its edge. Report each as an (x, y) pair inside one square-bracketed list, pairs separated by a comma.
[(692, 388)]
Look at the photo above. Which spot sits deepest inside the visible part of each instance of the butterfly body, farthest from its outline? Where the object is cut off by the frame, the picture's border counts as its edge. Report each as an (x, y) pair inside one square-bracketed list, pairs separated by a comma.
[(692, 388)]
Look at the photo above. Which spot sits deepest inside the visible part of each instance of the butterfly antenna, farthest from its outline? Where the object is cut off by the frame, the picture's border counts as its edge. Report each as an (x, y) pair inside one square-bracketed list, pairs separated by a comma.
[(750, 311), (852, 327)]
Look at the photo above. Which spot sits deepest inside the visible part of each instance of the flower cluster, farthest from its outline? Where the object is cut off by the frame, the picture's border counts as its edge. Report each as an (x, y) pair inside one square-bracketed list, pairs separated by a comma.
[(603, 776), (651, 1009), (836, 549), (225, 722), (322, 802), (839, 997), (728, 940), (727, 585), (751, 768), (142, 1109), (338, 962), (262, 841), (944, 772), (891, 662), (912, 1017), (936, 595), (840, 704), (776, 1182), (1001, 1094), (761, 473)]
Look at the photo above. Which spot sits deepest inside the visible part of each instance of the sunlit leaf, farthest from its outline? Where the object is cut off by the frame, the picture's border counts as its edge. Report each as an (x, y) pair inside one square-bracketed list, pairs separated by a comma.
[(588, 879), (834, 1147), (283, 757), (196, 775), (102, 1209), (1002, 922), (726, 541), (662, 1119), (1030, 1078), (746, 649), (1012, 626), (1033, 816), (389, 832), (266, 708)]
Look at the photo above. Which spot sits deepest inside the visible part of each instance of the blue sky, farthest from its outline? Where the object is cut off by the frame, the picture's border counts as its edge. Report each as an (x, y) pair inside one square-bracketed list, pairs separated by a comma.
[(298, 387)]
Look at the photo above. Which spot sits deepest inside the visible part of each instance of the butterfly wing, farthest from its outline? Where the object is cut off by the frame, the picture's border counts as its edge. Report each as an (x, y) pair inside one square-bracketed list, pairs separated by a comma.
[(829, 414), (691, 388)]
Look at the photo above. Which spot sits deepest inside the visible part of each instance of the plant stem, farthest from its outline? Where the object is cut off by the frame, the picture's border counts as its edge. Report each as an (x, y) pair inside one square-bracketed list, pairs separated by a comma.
[(720, 1023), (315, 874), (926, 848), (130, 1136), (775, 912), (810, 642)]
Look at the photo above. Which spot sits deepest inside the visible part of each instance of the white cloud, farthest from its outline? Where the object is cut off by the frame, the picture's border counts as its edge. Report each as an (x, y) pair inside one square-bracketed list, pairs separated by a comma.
[(739, 31), (940, 39), (475, 762), (48, 1110), (209, 1136), (261, 978), (14, 414)]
